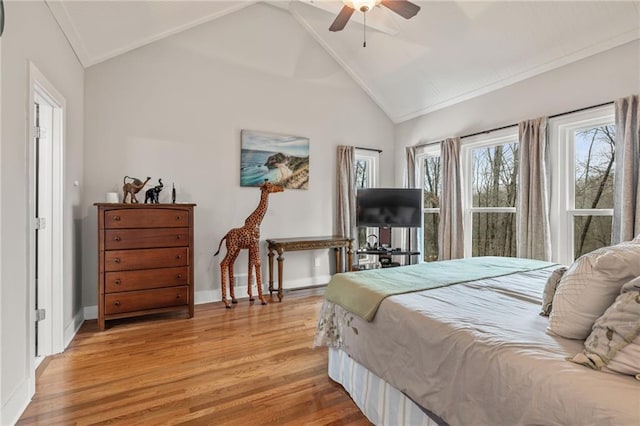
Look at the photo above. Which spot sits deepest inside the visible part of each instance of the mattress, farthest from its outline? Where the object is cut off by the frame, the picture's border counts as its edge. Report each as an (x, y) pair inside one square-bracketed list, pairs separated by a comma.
[(478, 353)]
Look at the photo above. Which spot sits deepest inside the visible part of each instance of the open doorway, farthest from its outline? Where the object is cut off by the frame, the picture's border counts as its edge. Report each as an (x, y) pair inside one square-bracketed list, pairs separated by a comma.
[(46, 125)]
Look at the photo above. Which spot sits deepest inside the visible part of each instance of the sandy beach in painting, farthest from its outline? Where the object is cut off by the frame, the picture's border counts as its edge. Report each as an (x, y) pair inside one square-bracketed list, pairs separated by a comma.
[(297, 179)]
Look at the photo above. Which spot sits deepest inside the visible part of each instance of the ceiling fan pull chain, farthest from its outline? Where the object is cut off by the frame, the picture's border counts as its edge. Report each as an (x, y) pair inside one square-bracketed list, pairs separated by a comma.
[(364, 44)]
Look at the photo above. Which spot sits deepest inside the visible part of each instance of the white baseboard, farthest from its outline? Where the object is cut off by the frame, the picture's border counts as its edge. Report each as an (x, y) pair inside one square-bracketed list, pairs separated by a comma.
[(90, 312), (209, 296), (71, 330), (15, 405)]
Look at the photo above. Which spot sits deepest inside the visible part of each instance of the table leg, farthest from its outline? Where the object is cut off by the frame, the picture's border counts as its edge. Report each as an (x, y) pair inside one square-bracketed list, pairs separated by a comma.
[(270, 271), (280, 268), (349, 256)]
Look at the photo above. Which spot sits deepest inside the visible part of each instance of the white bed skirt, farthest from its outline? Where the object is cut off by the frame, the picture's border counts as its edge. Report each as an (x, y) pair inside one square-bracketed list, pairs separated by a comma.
[(378, 400)]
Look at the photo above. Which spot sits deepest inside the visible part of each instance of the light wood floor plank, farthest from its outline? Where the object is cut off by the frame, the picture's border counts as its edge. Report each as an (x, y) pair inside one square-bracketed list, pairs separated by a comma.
[(250, 365)]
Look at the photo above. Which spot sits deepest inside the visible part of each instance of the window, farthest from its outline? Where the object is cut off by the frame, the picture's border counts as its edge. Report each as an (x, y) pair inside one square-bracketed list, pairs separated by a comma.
[(489, 188), (583, 152), (366, 171), (431, 180)]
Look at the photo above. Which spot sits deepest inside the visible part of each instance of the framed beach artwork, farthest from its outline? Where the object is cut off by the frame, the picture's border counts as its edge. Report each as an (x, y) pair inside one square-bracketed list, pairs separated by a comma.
[(282, 159)]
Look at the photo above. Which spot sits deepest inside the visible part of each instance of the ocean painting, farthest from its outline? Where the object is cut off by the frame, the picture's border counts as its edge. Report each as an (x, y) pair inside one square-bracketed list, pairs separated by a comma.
[(282, 159)]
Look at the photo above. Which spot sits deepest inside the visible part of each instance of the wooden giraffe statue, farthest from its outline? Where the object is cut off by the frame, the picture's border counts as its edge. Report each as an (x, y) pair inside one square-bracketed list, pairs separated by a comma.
[(247, 237)]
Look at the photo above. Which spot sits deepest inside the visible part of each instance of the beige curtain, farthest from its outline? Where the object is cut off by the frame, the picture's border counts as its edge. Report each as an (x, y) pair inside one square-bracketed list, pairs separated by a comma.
[(626, 203), (450, 232), (532, 207), (413, 242), (346, 193)]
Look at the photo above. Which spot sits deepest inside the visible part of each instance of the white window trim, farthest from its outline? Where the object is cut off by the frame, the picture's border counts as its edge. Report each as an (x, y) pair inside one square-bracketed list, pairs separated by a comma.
[(499, 137), (562, 168), (373, 160), (431, 150)]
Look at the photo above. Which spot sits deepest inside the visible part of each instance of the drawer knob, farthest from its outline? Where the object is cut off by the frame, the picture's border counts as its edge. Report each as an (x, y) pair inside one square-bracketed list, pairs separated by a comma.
[(179, 276), (178, 237), (117, 260), (178, 296), (117, 238), (177, 217), (178, 256), (117, 281), (116, 218), (117, 303)]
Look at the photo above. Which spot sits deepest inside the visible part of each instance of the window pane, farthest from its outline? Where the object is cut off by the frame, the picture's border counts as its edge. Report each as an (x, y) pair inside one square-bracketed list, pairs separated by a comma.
[(362, 174), (590, 233), (595, 160), (494, 234), (431, 221), (495, 169), (432, 183)]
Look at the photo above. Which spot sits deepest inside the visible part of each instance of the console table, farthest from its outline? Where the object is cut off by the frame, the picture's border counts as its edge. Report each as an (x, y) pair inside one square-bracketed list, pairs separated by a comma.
[(280, 245)]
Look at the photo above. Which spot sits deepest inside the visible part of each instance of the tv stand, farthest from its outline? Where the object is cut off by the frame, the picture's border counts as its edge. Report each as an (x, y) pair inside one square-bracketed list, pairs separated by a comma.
[(385, 257)]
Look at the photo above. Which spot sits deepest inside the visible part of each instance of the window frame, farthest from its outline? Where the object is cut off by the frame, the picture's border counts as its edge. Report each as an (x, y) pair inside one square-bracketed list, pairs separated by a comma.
[(429, 150), (499, 137), (372, 158), (563, 168)]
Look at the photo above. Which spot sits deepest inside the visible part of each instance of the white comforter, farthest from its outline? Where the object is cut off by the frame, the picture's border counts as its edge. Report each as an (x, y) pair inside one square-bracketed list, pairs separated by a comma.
[(478, 354)]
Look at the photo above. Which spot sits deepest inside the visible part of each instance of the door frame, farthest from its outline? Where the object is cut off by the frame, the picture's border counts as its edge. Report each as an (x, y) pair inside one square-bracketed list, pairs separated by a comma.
[(40, 84)]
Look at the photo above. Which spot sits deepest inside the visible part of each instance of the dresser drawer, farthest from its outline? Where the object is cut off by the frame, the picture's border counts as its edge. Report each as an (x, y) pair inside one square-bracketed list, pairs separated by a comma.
[(145, 279), (123, 260), (116, 303), (115, 239), (146, 218)]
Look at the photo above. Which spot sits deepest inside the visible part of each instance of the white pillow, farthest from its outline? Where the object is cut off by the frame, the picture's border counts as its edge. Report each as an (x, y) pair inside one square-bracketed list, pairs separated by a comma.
[(590, 286), (614, 343)]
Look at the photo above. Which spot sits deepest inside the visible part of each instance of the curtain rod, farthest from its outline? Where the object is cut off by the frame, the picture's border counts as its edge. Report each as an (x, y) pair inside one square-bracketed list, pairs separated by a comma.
[(369, 149), (512, 125)]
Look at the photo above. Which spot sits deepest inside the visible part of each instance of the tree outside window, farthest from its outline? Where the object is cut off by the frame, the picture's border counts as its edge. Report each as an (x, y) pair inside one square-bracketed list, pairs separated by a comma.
[(594, 150), (432, 189), (493, 213)]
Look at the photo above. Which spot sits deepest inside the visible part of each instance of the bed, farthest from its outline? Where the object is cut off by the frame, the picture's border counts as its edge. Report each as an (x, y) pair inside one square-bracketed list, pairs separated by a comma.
[(471, 349)]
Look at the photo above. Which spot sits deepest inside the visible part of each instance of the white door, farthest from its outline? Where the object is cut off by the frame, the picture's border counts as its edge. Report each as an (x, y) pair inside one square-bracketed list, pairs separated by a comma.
[(43, 114), (46, 245)]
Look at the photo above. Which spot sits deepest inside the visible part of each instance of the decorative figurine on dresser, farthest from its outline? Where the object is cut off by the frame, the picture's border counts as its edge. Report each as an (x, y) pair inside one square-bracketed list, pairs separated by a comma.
[(247, 237), (145, 260), (153, 194), (132, 188)]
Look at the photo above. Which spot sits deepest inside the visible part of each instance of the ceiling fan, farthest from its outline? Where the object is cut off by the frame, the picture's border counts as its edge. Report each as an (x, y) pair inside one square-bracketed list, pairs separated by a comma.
[(404, 8)]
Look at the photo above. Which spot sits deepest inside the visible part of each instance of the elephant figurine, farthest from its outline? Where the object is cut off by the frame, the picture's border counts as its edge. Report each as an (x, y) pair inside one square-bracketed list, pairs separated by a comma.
[(132, 188)]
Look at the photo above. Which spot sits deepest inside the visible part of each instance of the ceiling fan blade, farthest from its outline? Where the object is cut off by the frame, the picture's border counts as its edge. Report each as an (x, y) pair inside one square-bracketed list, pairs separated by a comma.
[(342, 19), (404, 8), (1, 17)]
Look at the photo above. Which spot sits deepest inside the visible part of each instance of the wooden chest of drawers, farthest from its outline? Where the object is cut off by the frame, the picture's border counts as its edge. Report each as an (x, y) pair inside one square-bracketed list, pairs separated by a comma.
[(145, 259)]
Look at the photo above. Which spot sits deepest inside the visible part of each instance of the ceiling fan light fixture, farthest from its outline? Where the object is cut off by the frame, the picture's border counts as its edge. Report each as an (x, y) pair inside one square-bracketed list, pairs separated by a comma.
[(361, 5)]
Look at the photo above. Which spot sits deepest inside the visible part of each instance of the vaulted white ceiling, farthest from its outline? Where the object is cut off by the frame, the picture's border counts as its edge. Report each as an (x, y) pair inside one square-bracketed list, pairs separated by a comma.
[(451, 51)]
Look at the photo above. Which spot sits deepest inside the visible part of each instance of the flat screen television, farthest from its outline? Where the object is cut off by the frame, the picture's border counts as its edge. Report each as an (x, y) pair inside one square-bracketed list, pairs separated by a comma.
[(389, 207)]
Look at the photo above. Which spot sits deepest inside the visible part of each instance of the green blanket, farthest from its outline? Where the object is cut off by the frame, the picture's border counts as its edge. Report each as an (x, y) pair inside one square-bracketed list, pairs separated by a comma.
[(362, 292)]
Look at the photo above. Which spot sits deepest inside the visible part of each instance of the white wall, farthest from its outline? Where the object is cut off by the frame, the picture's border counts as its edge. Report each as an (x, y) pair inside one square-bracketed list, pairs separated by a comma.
[(175, 109), (597, 79), (31, 34)]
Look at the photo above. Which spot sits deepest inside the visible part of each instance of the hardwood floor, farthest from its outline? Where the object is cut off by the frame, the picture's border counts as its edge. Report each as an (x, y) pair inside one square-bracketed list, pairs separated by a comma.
[(249, 365)]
